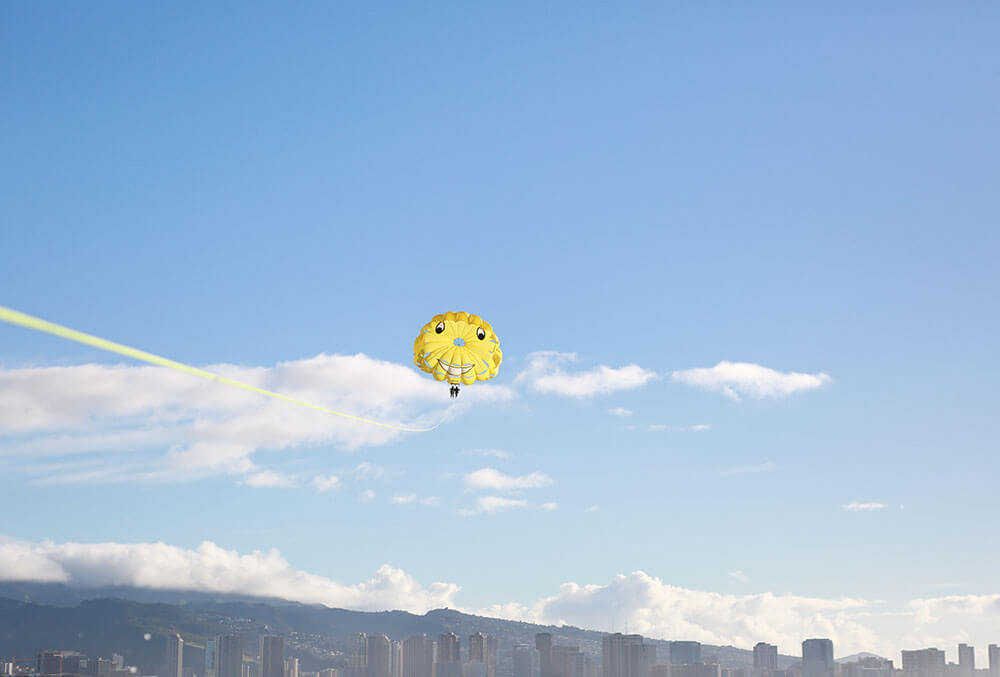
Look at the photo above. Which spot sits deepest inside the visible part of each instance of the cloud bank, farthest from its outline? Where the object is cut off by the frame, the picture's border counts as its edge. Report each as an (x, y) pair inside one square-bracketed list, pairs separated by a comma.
[(657, 609), (654, 608), (209, 568), (126, 423), (735, 379)]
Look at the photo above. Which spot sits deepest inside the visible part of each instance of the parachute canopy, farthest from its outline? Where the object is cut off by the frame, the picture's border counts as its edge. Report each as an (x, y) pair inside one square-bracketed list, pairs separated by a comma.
[(458, 348)]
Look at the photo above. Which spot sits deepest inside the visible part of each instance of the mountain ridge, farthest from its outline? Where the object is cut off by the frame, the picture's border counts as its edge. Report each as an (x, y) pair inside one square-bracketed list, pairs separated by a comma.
[(38, 616)]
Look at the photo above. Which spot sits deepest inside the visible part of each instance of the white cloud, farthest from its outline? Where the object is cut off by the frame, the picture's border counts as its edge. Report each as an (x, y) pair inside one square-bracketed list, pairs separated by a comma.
[(855, 506), (494, 504), (620, 411), (494, 480), (268, 479), (368, 471), (594, 508), (366, 496), (210, 568), (766, 466), (734, 379), (660, 427), (488, 453), (657, 609), (21, 561), (944, 621), (974, 608), (329, 483), (148, 423), (550, 506), (738, 576), (545, 374), (413, 499)]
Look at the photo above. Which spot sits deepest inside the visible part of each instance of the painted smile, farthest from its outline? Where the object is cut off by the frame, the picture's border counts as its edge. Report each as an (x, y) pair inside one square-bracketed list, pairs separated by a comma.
[(455, 369)]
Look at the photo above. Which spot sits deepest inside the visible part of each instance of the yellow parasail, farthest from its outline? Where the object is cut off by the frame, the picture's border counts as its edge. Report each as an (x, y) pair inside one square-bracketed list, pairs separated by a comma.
[(458, 348)]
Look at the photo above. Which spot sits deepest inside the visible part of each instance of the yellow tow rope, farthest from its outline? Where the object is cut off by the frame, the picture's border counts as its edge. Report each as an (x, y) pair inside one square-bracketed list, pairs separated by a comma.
[(27, 321)]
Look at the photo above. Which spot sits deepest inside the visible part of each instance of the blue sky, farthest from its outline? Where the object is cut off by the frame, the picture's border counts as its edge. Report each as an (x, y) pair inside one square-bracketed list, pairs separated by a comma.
[(807, 190)]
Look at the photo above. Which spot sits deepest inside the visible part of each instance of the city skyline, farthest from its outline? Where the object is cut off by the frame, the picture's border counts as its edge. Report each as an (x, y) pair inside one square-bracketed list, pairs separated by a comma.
[(618, 655)]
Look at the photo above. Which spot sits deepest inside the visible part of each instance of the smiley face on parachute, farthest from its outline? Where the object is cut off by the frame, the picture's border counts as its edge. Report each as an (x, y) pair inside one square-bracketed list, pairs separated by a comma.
[(458, 348)]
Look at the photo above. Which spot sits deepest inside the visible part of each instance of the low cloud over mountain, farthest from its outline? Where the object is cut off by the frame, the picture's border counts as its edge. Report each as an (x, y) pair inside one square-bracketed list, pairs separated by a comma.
[(653, 607)]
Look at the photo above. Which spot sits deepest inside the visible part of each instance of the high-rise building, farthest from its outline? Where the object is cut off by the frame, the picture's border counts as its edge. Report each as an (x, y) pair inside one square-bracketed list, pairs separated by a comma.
[(418, 656), (379, 656), (924, 663), (229, 656), (49, 662), (765, 657), (210, 650), (483, 649), (592, 665), (696, 670), (357, 655), (449, 648), (685, 653), (291, 667), (328, 672), (523, 658), (173, 660), (543, 644), (74, 663), (272, 656), (868, 666), (395, 658), (477, 647), (817, 658), (101, 667), (449, 656), (567, 661), (624, 656), (993, 653), (966, 661)]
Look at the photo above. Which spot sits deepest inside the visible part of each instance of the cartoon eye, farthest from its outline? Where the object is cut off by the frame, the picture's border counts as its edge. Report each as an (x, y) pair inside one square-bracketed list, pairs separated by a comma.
[(481, 333), (439, 328)]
